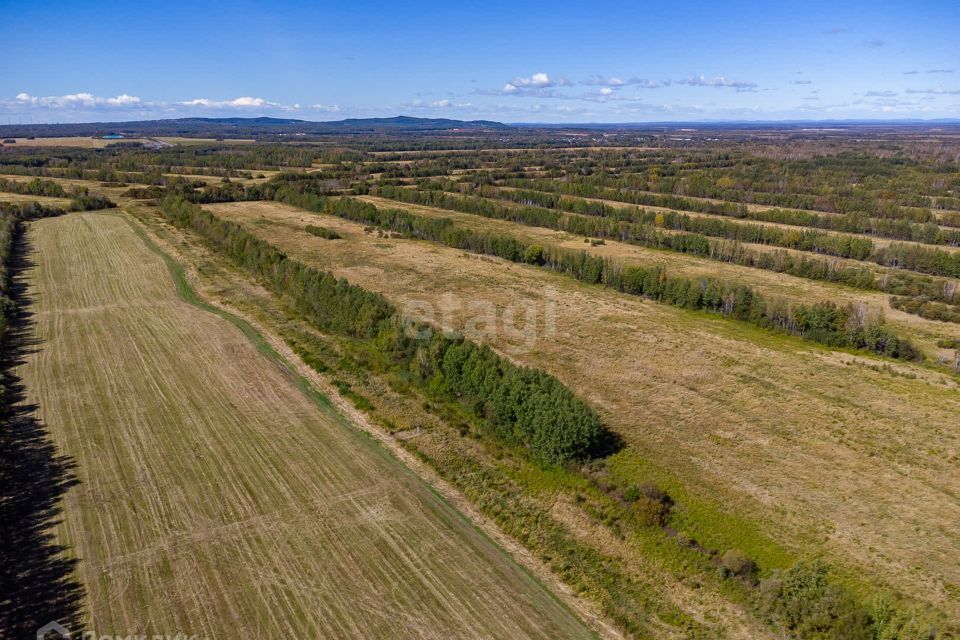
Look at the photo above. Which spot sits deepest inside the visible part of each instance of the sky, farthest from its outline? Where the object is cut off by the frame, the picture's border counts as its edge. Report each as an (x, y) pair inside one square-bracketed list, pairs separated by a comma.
[(596, 61)]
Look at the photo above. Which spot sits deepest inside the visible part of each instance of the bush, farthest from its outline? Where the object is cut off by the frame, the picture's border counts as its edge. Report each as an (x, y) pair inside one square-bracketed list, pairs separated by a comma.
[(735, 563), (804, 602), (322, 232), (651, 505), (533, 254), (86, 202)]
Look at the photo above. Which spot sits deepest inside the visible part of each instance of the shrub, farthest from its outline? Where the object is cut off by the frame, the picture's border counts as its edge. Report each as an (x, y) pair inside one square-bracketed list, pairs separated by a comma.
[(322, 232), (807, 605), (735, 563)]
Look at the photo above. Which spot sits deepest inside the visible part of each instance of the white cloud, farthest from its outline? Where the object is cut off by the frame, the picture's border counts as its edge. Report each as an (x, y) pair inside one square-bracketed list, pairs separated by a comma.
[(598, 80), (124, 100), (615, 82), (537, 80), (717, 82), (939, 91), (77, 100), (648, 84), (244, 102), (537, 85), (444, 103), (86, 106)]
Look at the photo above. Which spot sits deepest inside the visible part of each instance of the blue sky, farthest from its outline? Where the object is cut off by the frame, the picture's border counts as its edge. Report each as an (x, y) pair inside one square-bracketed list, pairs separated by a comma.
[(510, 61)]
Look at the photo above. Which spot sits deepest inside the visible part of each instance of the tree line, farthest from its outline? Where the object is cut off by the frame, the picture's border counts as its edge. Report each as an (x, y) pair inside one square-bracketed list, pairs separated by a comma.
[(824, 322), (519, 406), (310, 191), (35, 187), (899, 283), (12, 216), (80, 198), (853, 222)]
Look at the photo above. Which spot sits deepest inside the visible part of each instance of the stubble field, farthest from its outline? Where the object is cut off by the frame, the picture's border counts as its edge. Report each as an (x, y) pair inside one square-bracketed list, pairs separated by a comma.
[(218, 493)]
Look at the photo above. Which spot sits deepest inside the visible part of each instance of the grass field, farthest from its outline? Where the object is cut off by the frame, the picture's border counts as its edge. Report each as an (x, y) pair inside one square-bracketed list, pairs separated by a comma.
[(201, 141), (221, 496), (760, 437), (114, 193), (85, 142), (925, 332), (66, 141), (50, 202)]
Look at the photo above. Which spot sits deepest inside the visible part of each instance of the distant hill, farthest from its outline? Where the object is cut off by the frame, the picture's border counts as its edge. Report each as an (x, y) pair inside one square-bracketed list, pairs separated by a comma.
[(248, 127)]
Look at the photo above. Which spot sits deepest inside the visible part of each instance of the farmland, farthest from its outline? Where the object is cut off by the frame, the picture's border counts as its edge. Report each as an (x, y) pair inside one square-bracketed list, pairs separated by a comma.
[(229, 490), (751, 356)]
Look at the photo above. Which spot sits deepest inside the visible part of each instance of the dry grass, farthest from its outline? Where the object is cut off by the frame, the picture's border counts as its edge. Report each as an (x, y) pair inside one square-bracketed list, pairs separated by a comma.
[(877, 240), (114, 193), (215, 493), (50, 202), (826, 451), (66, 141), (197, 141), (924, 332)]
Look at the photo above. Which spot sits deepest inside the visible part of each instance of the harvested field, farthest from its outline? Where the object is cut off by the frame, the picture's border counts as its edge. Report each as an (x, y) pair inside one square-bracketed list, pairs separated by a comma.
[(218, 490), (814, 448)]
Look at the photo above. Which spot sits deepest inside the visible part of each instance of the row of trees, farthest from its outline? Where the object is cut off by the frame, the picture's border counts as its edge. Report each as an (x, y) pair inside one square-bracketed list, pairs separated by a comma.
[(523, 407), (9, 228), (12, 216), (853, 222), (927, 309), (849, 181), (80, 198), (638, 189), (35, 187), (898, 283), (825, 323)]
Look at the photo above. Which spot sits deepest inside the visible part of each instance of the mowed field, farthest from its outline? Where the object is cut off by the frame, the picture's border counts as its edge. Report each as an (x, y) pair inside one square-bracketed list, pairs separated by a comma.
[(218, 496), (827, 452)]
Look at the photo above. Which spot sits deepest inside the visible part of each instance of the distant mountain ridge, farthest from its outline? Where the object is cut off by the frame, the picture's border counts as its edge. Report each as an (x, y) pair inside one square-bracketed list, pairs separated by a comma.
[(253, 127)]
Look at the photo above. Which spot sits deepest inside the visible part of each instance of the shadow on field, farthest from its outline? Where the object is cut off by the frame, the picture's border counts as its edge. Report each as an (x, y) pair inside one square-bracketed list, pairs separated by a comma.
[(36, 583)]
